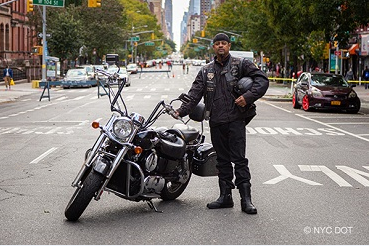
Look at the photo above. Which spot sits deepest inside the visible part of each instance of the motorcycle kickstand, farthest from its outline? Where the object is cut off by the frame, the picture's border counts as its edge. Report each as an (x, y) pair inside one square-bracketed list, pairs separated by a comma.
[(152, 206)]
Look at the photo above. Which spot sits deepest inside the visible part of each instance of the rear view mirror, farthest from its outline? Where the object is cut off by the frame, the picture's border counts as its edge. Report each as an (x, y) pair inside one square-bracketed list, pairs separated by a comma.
[(184, 98)]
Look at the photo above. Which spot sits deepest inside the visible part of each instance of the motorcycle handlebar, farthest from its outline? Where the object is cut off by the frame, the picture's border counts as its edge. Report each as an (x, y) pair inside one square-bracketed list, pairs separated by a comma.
[(109, 75), (169, 109)]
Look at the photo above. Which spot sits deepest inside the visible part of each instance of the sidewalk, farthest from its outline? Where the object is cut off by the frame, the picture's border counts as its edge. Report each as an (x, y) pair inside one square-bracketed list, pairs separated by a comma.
[(18, 90), (276, 91)]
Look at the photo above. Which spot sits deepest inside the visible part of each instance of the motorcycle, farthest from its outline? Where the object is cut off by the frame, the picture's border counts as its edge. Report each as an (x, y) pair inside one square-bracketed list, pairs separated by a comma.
[(139, 162)]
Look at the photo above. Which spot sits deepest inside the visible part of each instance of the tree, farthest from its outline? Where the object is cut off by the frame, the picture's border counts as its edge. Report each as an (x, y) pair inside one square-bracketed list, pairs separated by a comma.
[(66, 33)]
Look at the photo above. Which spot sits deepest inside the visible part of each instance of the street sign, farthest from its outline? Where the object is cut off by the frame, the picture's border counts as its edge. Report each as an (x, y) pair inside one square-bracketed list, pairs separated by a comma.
[(40, 35), (135, 39), (52, 3), (337, 53), (149, 44)]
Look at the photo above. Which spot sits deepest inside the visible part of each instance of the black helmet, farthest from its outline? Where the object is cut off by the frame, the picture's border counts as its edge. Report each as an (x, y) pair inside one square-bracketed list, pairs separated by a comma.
[(243, 85)]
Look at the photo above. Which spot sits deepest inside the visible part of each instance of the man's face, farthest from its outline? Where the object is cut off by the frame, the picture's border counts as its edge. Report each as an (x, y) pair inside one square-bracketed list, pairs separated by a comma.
[(221, 48)]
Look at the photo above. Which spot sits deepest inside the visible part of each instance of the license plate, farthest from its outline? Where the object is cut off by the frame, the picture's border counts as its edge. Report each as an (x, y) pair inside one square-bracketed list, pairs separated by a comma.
[(336, 103)]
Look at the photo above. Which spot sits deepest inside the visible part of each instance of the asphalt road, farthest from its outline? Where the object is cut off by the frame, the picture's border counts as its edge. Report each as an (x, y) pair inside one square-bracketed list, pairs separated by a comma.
[(310, 175)]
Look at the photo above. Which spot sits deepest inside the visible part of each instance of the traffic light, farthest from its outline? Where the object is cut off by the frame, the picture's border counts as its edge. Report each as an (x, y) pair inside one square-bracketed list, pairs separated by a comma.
[(29, 5), (93, 3), (152, 35), (135, 43), (202, 33), (37, 50), (194, 40)]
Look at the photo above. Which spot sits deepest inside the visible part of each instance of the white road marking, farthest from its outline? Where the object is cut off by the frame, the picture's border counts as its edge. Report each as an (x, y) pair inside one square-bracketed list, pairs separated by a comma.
[(285, 174), (336, 128), (35, 161), (356, 174), (270, 104), (332, 175)]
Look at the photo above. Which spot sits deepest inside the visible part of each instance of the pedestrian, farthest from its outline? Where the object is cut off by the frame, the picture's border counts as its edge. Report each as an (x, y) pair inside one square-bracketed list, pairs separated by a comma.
[(366, 77), (7, 75), (228, 115), (184, 67), (188, 67), (349, 75)]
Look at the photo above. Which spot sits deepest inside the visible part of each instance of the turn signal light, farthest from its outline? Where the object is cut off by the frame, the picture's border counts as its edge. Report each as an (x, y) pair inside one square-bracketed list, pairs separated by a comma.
[(138, 150), (95, 124)]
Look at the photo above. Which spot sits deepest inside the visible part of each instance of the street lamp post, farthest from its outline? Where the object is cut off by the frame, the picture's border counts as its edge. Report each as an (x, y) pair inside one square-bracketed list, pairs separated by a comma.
[(133, 28)]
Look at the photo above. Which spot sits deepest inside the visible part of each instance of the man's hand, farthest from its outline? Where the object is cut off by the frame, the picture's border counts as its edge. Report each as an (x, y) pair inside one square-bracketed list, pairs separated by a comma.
[(240, 101), (176, 115)]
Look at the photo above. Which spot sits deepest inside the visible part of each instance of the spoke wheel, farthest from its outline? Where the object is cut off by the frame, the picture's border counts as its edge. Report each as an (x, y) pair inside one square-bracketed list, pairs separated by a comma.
[(305, 103)]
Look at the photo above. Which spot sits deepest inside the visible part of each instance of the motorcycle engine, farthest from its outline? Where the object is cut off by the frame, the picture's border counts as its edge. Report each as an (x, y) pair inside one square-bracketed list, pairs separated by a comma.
[(151, 161), (154, 184)]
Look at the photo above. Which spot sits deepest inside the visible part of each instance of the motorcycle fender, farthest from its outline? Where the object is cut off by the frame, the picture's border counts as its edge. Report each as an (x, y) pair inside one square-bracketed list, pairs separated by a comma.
[(205, 161), (102, 166)]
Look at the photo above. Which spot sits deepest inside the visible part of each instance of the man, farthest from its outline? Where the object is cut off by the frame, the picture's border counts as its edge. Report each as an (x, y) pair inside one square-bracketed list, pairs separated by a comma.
[(228, 114), (7, 75)]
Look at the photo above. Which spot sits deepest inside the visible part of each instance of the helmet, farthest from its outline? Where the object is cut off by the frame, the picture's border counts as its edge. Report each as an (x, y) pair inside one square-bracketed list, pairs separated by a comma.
[(243, 85)]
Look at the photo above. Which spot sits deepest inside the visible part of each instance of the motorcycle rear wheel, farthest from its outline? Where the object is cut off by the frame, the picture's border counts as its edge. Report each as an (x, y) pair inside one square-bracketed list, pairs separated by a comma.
[(172, 190), (83, 196)]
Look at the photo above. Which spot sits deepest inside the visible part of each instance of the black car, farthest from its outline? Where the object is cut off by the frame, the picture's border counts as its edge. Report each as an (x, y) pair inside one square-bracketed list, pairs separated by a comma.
[(314, 90)]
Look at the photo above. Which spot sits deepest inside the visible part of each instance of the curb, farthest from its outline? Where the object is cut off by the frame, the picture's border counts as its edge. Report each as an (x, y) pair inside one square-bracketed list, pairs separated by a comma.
[(276, 98)]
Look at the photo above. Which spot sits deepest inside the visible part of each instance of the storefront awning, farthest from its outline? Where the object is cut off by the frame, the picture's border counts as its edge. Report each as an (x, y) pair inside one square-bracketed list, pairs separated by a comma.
[(353, 48)]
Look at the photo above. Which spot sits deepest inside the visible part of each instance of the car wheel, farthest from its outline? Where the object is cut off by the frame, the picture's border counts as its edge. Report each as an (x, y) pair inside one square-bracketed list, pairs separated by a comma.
[(295, 103), (305, 103), (357, 108)]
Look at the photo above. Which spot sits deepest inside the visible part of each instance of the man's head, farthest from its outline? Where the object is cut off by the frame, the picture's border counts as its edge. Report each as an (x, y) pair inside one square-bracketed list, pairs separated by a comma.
[(221, 45)]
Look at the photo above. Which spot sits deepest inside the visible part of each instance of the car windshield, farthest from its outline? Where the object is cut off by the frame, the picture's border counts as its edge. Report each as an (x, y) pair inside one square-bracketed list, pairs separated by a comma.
[(76, 72), (328, 80)]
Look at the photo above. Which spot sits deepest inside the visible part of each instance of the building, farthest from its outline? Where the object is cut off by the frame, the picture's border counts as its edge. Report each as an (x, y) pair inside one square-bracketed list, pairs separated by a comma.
[(169, 18), (16, 37)]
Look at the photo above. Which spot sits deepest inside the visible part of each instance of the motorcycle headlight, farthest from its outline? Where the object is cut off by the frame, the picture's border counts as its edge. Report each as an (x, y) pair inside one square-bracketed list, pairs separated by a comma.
[(352, 94), (122, 128)]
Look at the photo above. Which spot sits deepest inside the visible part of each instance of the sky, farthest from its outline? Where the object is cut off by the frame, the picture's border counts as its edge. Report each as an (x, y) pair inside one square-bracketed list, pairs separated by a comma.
[(179, 7)]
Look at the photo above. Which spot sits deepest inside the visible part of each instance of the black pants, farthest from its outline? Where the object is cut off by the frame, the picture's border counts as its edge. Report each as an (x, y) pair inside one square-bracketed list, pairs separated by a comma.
[(229, 141)]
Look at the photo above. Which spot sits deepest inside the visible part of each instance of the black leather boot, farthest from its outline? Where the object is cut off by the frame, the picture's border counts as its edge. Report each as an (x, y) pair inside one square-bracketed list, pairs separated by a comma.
[(246, 204), (225, 198)]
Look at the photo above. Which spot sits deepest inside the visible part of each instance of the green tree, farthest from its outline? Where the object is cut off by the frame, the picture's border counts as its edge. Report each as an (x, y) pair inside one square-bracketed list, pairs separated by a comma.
[(66, 33)]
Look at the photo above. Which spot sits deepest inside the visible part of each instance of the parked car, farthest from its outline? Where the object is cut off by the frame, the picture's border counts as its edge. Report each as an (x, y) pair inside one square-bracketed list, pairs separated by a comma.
[(123, 73), (132, 68), (314, 90), (90, 71), (76, 77)]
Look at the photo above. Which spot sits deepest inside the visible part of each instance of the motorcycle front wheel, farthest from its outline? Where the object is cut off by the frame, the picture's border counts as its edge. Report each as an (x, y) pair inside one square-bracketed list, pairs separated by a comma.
[(83, 196), (172, 190)]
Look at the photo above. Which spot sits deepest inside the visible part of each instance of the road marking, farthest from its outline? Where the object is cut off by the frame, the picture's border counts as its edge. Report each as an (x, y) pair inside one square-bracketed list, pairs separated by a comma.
[(35, 161), (285, 174), (356, 174), (353, 173), (336, 128), (334, 176), (270, 104)]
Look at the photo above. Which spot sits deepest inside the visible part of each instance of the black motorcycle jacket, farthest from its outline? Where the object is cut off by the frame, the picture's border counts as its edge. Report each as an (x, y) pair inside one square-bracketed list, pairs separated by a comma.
[(225, 76)]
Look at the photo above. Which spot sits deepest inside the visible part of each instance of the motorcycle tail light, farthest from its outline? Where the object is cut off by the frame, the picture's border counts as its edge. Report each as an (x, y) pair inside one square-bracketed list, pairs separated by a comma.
[(95, 124)]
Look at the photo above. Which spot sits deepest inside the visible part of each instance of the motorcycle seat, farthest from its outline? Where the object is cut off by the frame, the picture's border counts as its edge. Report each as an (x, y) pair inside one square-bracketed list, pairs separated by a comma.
[(189, 133)]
